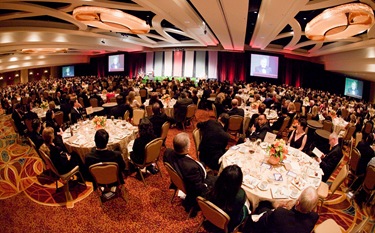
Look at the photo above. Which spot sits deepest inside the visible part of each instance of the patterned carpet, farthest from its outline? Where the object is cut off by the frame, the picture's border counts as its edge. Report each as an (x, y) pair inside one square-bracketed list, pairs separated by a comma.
[(27, 197)]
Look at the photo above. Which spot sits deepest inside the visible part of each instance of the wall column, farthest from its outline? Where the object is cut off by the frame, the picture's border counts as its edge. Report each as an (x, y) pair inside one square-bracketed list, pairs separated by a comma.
[(24, 76)]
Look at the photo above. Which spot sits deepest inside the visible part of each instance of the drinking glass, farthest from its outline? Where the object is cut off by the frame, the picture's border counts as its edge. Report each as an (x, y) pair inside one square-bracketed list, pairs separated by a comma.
[(112, 118)]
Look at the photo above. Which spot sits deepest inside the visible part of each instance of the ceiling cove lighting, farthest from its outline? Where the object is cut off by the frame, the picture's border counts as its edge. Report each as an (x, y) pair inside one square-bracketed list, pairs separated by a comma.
[(110, 19), (45, 50), (340, 22)]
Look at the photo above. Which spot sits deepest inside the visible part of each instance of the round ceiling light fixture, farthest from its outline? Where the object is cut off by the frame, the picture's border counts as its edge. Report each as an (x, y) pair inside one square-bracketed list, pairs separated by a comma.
[(110, 19), (340, 22)]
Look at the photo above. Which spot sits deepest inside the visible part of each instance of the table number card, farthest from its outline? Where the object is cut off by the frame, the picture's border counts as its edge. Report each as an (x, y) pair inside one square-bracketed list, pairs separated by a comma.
[(270, 138)]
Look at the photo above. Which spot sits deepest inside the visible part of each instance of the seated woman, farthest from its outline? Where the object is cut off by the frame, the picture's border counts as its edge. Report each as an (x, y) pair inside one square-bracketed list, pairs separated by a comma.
[(132, 101), (315, 113), (229, 196), (298, 137), (219, 106), (63, 161), (145, 135)]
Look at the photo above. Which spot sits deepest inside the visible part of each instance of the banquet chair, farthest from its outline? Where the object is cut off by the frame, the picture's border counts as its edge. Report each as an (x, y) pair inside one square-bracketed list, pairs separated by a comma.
[(59, 118), (176, 179), (327, 125), (197, 140), (309, 116), (214, 109), (190, 114), (105, 174), (325, 191), (63, 177), (149, 110), (94, 102), (353, 165), (344, 113), (358, 138), (298, 107), (112, 100), (138, 114), (235, 125), (164, 131), (368, 185), (328, 226), (126, 115), (152, 151), (80, 100), (348, 137), (139, 99), (239, 99), (368, 209), (282, 128)]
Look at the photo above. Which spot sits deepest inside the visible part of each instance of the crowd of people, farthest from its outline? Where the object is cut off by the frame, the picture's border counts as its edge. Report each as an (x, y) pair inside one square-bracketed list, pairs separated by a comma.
[(73, 95)]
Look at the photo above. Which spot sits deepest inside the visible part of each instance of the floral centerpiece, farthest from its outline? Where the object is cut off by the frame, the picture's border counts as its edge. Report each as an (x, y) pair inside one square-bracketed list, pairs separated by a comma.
[(277, 151), (99, 121), (44, 105), (166, 98)]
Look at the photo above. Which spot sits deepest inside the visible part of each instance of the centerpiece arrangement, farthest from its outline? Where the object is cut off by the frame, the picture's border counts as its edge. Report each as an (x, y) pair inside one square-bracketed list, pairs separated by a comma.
[(99, 121), (44, 105), (166, 98), (277, 151)]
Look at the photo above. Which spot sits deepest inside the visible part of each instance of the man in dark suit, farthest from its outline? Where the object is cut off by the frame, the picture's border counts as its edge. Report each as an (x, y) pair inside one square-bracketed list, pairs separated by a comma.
[(17, 117), (235, 110), (195, 177), (98, 97), (158, 119), (57, 99), (214, 141), (329, 162), (353, 89), (299, 219), (102, 154), (180, 108), (260, 129), (75, 113), (35, 135), (121, 108), (263, 67)]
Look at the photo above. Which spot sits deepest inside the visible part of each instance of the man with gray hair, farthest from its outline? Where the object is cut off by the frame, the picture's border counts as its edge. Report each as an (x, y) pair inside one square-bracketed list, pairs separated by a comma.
[(301, 218), (195, 177), (329, 162)]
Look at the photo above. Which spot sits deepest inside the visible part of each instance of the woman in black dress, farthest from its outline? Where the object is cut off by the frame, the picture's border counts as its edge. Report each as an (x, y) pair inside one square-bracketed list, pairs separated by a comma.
[(298, 138)]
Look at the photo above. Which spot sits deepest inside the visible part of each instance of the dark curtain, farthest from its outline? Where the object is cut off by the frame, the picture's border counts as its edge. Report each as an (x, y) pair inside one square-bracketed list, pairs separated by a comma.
[(231, 66), (293, 72), (137, 63), (101, 64)]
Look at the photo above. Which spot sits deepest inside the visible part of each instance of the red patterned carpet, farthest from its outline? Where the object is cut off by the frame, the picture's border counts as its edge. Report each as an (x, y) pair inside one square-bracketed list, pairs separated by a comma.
[(28, 204)]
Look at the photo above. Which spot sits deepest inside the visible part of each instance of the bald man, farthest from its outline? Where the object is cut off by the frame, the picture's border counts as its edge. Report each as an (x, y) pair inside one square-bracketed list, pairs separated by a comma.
[(235, 110)]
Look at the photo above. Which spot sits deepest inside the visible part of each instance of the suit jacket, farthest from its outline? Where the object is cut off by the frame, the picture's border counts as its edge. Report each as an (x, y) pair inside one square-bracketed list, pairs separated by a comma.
[(119, 111), (219, 109), (158, 121), (18, 121), (213, 144), (36, 138), (236, 111), (97, 156), (260, 131), (138, 153), (282, 220), (330, 161), (180, 109), (75, 115)]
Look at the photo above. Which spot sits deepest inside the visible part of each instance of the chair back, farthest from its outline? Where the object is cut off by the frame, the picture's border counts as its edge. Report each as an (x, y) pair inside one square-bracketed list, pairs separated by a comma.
[(358, 138), (349, 133), (339, 179), (80, 100), (112, 100), (239, 99), (354, 160), (94, 102), (298, 106), (28, 123), (328, 225), (285, 124), (197, 140), (213, 213), (149, 111), (344, 113), (164, 130), (152, 151), (14, 125), (48, 160), (190, 112), (126, 115), (139, 99), (235, 123), (138, 114), (105, 173), (32, 144), (175, 177), (214, 109), (309, 116), (59, 118), (327, 125), (369, 181), (368, 127), (143, 93)]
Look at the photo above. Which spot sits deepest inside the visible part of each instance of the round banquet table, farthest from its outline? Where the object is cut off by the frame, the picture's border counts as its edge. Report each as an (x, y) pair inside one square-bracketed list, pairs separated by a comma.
[(280, 183), (314, 124), (82, 141)]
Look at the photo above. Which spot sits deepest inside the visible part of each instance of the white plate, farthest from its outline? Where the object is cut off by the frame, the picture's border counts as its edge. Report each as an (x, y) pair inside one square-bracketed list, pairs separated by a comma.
[(263, 186)]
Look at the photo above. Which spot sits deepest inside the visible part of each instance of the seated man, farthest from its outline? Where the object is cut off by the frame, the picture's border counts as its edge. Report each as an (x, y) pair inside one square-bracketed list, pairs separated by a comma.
[(180, 108), (260, 129), (235, 110), (158, 119), (17, 117), (76, 112), (35, 135), (329, 162), (121, 108), (214, 140), (102, 154), (195, 177), (299, 219)]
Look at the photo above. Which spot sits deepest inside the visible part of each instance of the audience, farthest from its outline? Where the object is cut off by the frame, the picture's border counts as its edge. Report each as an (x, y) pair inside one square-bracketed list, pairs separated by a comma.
[(298, 137), (260, 129), (158, 119)]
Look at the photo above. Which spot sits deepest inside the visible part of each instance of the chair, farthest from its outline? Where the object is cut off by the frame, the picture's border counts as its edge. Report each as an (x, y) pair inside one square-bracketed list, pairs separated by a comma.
[(283, 127), (138, 98), (353, 164), (149, 111), (176, 179), (197, 140), (112, 100), (80, 100), (298, 107), (344, 113), (348, 137), (138, 114), (358, 138), (328, 226), (368, 184), (152, 151), (239, 99), (190, 114), (64, 177), (143, 94), (94, 102), (59, 118), (235, 124), (327, 125), (28, 123), (126, 115), (367, 128), (325, 191), (214, 109), (164, 131), (105, 174), (309, 116)]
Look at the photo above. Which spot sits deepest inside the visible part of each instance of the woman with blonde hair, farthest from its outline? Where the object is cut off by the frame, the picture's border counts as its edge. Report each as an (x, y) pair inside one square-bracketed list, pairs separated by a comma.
[(132, 101)]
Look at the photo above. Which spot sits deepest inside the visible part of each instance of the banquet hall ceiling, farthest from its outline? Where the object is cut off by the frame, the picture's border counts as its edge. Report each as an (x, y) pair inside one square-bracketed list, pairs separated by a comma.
[(275, 26)]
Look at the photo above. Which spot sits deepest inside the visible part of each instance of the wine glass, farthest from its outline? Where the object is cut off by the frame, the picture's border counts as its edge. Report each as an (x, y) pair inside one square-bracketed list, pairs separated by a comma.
[(112, 118)]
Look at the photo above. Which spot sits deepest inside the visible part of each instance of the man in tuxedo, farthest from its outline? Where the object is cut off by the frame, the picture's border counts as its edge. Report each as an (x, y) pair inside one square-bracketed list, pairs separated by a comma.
[(158, 119), (195, 177), (329, 162), (263, 67), (299, 219), (353, 89), (101, 153), (35, 135), (260, 129), (57, 99), (121, 108), (214, 140), (17, 117), (75, 113), (180, 108), (235, 110)]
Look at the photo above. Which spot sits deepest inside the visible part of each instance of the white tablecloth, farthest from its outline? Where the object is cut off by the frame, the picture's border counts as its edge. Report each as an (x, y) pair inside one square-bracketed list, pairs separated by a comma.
[(260, 177)]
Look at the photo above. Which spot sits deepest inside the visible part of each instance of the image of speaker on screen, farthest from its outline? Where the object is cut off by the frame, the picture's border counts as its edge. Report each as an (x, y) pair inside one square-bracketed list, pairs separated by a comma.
[(116, 63), (263, 66), (353, 88), (68, 71)]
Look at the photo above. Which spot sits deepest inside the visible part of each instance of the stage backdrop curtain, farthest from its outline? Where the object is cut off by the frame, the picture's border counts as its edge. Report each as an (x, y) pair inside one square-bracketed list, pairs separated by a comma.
[(137, 63), (231, 66), (293, 72)]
